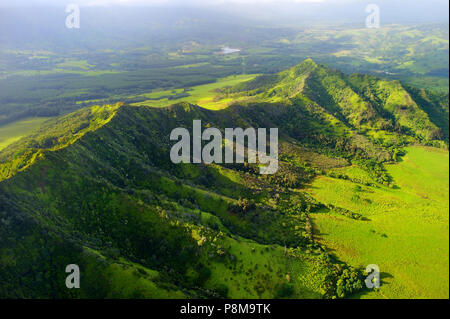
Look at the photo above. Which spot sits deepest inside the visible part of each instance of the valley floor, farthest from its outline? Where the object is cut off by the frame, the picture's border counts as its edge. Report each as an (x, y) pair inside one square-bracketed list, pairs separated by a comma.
[(407, 228)]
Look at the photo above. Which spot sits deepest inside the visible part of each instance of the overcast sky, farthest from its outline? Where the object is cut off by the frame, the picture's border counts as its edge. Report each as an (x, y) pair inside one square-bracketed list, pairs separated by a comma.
[(393, 11)]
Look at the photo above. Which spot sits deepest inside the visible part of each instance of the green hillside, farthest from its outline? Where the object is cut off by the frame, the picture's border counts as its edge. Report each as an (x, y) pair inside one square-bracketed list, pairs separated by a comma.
[(369, 104), (406, 232), (97, 188), (15, 131)]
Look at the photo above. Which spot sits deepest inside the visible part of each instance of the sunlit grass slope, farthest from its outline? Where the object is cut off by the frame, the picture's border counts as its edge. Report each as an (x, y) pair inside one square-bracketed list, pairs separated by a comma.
[(202, 95), (406, 234), (15, 131)]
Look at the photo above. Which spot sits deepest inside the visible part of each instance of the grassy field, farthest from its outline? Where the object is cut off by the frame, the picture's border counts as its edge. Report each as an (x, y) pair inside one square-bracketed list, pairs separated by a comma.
[(260, 268), (14, 131), (202, 95), (406, 233)]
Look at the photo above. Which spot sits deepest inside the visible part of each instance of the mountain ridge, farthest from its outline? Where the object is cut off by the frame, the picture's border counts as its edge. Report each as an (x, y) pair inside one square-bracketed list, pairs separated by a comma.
[(97, 187), (342, 97)]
